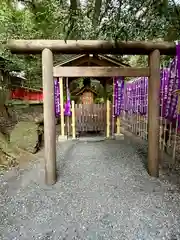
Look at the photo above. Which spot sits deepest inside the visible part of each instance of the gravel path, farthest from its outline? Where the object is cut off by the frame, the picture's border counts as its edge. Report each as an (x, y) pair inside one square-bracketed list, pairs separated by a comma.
[(103, 192)]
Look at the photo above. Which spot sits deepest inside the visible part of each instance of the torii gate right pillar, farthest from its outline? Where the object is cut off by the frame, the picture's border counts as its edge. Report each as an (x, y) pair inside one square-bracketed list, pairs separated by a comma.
[(153, 113)]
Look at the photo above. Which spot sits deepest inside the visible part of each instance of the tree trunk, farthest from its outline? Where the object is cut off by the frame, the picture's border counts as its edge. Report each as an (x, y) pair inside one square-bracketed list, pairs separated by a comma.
[(97, 12)]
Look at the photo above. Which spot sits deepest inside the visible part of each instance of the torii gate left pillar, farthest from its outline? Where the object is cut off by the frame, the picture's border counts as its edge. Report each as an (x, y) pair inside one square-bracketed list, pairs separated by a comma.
[(49, 117)]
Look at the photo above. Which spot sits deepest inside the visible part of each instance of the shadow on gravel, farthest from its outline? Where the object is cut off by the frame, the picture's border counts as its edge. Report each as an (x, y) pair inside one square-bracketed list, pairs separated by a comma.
[(142, 152), (141, 149), (63, 152), (168, 172)]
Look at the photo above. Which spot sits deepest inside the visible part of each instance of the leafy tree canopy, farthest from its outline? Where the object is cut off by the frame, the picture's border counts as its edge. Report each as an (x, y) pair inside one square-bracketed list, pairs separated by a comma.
[(93, 19)]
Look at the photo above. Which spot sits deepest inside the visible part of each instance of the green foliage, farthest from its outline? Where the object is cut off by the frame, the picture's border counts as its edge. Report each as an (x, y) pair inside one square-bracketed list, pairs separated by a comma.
[(99, 100), (93, 19)]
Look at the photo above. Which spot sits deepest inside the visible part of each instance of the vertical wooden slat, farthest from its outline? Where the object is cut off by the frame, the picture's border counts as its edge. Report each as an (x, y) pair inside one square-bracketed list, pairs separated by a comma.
[(81, 117), (103, 127), (153, 113), (77, 117), (91, 117), (99, 118), (49, 117), (118, 122), (96, 116)]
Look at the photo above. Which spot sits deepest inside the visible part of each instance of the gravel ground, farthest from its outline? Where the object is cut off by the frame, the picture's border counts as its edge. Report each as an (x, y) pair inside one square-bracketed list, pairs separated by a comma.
[(103, 192)]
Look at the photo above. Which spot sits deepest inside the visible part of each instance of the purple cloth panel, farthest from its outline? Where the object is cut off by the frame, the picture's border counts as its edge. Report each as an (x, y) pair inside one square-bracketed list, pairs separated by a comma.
[(135, 94), (171, 99), (178, 73), (164, 91), (56, 97), (67, 110), (118, 95)]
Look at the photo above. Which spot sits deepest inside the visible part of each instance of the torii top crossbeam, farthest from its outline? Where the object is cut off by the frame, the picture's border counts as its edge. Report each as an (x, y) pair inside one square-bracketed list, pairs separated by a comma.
[(91, 46)]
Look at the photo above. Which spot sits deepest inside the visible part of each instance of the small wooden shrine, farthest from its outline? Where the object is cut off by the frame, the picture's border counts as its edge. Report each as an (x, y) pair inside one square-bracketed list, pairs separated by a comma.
[(86, 95)]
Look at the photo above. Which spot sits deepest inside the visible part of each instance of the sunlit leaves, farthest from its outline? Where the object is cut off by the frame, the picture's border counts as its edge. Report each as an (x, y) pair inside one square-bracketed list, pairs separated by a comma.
[(93, 19)]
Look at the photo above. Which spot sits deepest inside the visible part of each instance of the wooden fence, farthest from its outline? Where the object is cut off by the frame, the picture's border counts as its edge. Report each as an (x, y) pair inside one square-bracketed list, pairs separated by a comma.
[(88, 118), (169, 135)]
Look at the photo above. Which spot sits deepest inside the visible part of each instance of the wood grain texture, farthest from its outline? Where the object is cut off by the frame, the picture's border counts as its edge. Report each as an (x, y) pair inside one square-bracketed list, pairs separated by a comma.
[(100, 72), (90, 46), (153, 113), (49, 117)]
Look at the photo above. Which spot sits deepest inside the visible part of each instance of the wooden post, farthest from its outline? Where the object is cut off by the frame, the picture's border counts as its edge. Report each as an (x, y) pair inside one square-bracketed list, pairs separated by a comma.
[(107, 118), (85, 71), (118, 124), (49, 117), (61, 105), (91, 46), (153, 113), (73, 121)]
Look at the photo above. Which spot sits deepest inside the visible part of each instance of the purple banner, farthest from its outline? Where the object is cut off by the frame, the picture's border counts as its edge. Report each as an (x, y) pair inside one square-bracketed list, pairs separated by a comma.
[(67, 110), (136, 94), (178, 73), (118, 95), (56, 97)]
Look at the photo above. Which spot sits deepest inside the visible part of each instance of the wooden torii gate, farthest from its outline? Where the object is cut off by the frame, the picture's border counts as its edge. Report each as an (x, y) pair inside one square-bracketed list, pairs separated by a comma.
[(48, 47)]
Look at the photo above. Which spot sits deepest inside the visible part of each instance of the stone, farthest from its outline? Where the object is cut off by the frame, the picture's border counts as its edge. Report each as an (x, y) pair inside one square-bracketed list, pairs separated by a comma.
[(8, 154), (109, 138), (6, 121), (3, 158), (26, 135), (119, 136), (39, 119), (6, 147), (62, 138)]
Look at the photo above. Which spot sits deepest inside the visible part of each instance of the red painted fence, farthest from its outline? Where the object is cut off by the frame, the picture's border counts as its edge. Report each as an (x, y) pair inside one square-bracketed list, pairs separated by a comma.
[(27, 94)]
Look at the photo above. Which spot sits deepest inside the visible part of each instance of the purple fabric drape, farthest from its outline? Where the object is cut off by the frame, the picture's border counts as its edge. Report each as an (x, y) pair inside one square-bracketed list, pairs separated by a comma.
[(164, 90), (136, 92), (56, 97), (118, 95), (67, 107), (67, 110), (178, 73), (171, 101)]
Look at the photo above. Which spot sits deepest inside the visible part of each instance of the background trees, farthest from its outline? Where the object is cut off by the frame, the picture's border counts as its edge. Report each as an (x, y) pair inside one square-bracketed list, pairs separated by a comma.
[(93, 19)]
